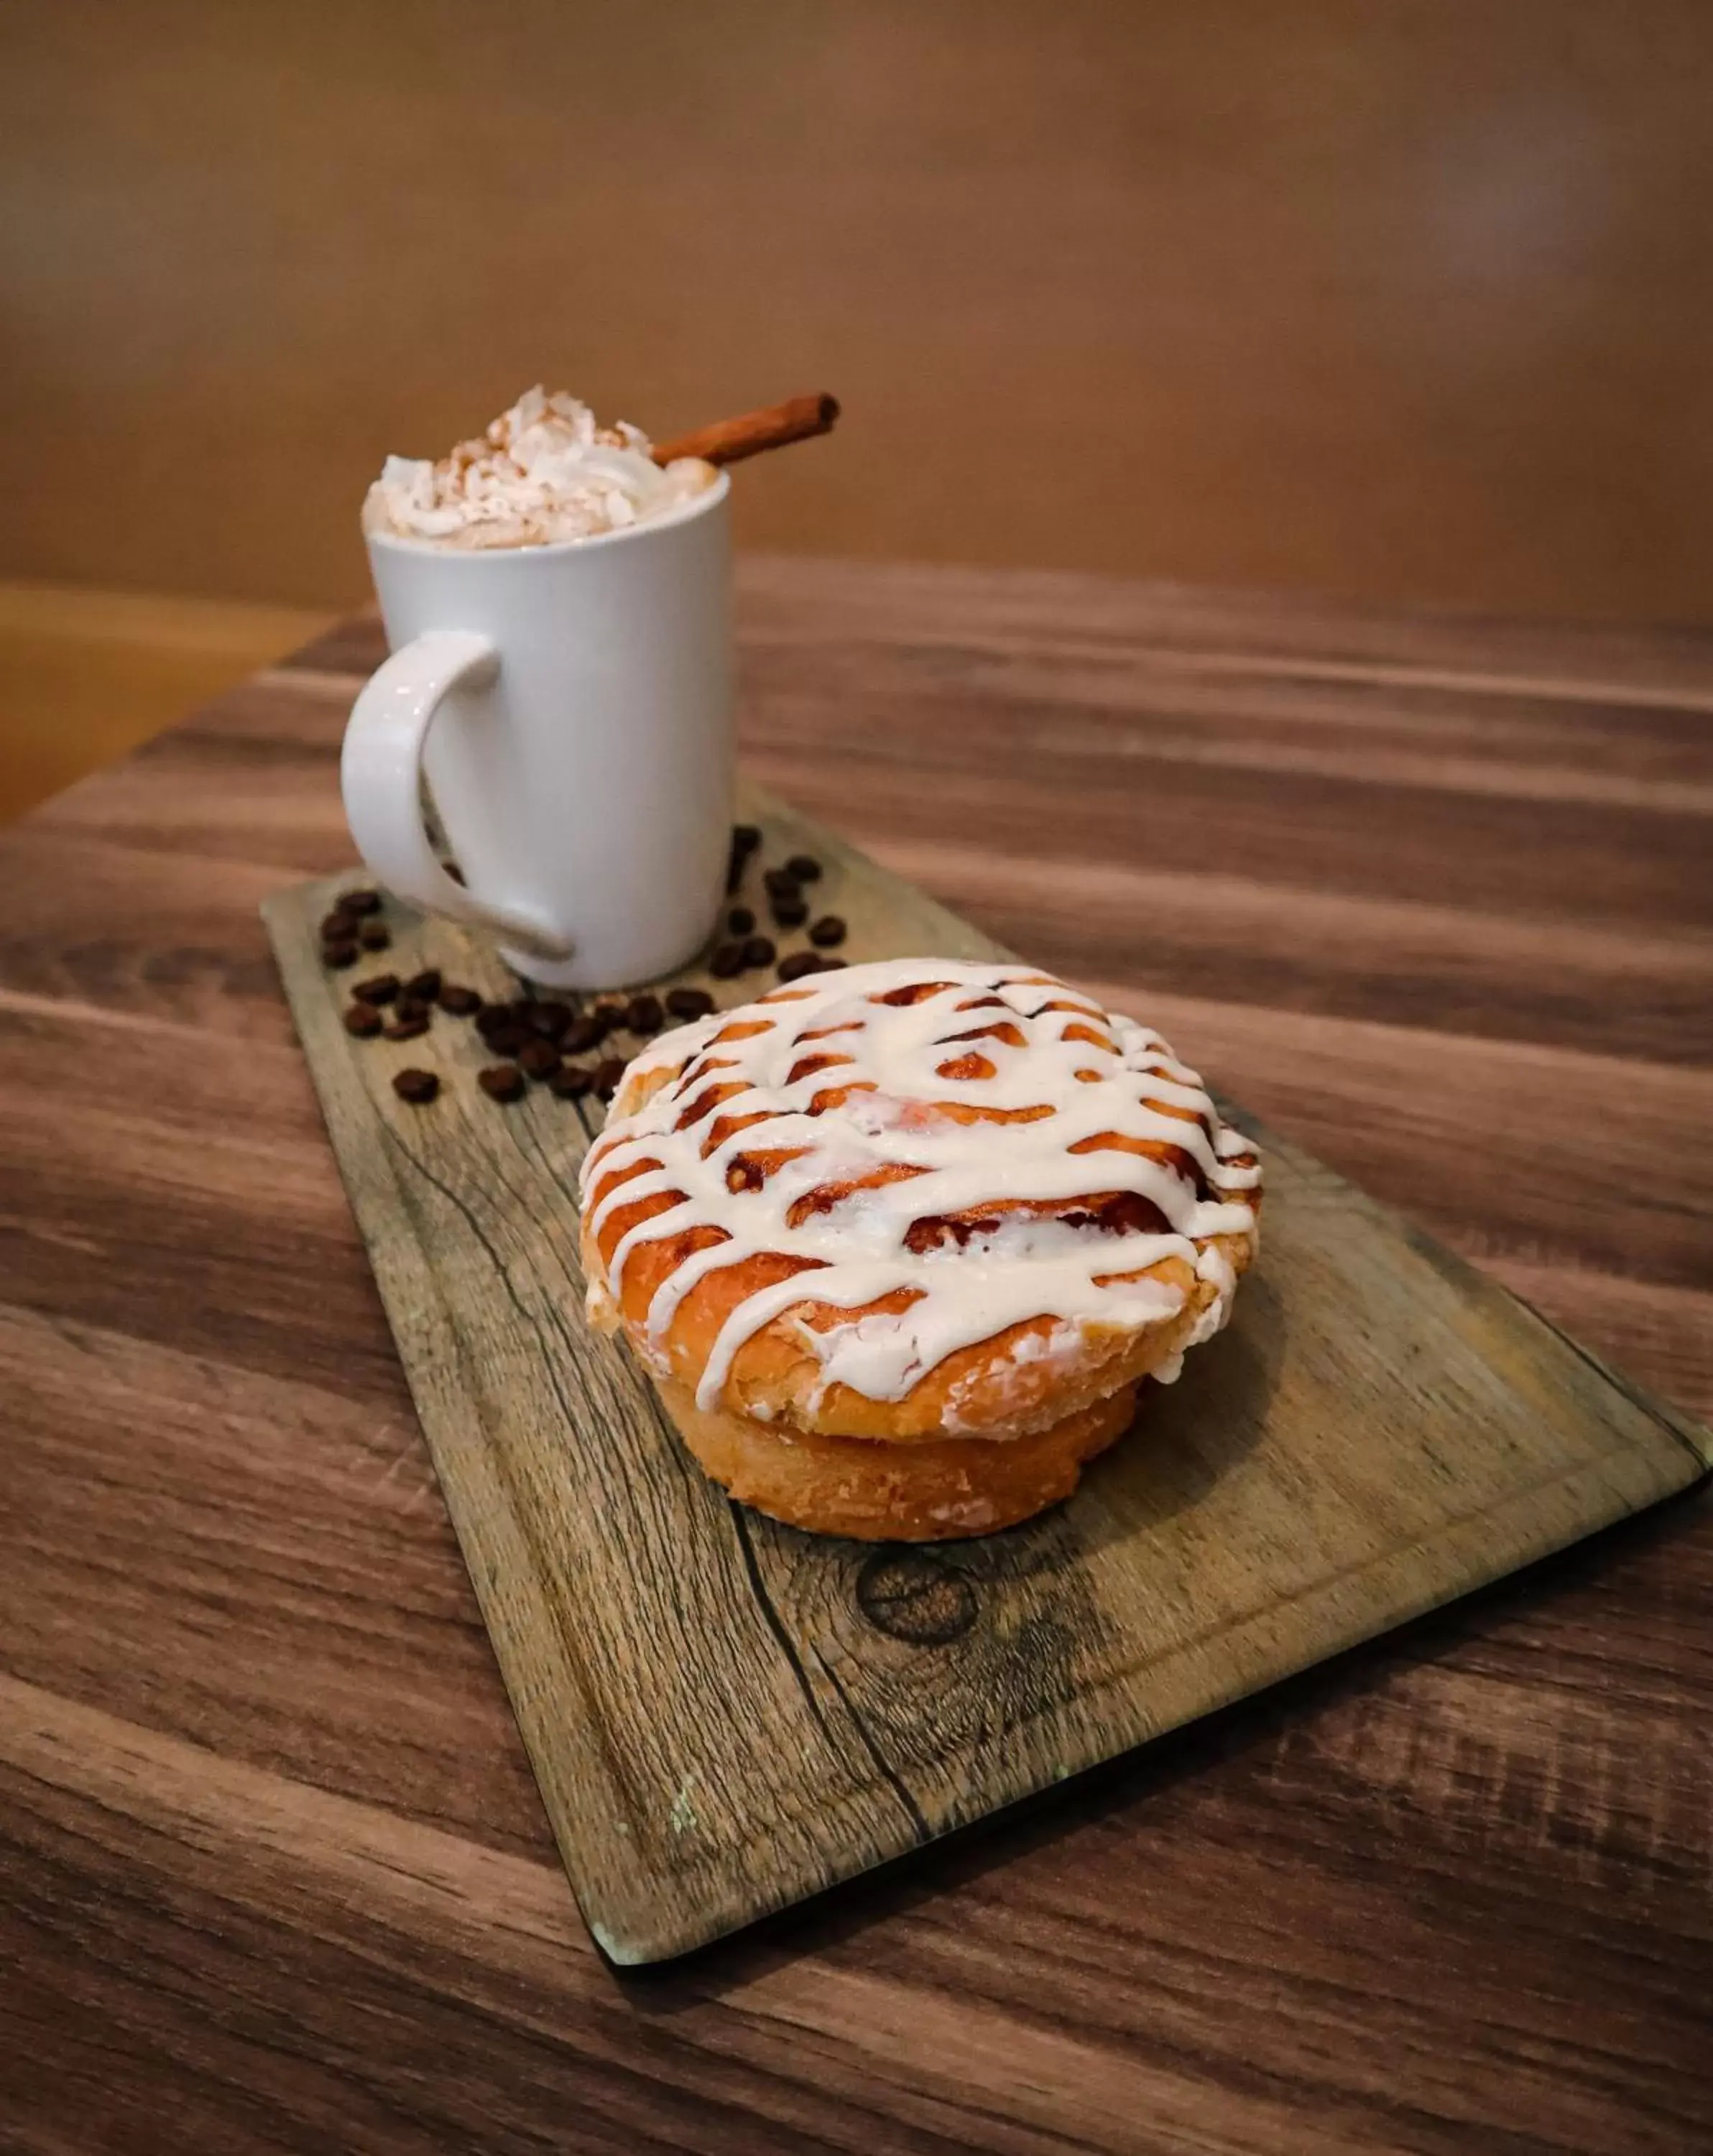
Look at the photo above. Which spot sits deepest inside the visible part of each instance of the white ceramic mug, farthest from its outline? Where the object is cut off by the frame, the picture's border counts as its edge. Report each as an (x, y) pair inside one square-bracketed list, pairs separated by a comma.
[(571, 708)]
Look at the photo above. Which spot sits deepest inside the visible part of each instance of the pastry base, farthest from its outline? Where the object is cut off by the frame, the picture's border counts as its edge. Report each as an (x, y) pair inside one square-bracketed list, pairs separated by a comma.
[(873, 1492)]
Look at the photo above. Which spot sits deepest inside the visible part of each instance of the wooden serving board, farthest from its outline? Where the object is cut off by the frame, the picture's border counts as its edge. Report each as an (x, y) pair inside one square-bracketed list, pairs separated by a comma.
[(725, 1715)]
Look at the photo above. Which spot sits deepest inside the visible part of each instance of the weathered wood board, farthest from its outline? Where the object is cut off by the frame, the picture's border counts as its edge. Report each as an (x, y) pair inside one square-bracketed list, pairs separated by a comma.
[(725, 1715)]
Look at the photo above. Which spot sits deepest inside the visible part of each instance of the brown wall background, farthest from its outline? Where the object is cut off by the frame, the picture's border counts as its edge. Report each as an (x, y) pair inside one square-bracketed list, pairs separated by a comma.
[(1410, 301)]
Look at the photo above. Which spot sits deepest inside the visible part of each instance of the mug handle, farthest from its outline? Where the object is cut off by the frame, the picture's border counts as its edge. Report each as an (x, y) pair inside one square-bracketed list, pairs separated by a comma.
[(380, 776)]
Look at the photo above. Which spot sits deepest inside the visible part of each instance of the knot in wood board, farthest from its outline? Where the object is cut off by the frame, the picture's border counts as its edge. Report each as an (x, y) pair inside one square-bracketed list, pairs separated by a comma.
[(910, 1595)]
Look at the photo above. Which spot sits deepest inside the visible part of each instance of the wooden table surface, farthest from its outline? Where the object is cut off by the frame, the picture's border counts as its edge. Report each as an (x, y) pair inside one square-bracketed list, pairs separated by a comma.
[(1433, 897)]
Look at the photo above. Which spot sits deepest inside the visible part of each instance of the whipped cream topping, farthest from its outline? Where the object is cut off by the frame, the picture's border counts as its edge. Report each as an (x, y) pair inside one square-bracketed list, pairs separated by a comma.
[(897, 1040), (545, 471)]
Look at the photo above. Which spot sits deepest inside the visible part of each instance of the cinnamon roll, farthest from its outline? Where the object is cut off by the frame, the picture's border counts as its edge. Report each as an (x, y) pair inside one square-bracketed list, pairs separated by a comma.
[(898, 1243)]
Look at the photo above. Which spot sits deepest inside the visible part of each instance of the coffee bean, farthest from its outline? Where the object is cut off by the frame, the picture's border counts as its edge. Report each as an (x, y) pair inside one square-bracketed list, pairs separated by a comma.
[(337, 928), (781, 883), (759, 951), (741, 921), (803, 962), (363, 1021), (727, 960), (359, 902), (582, 1034), (339, 956), (569, 1081), (550, 1020), (406, 1028), (502, 1082), (689, 1003), (418, 1087), (828, 930), (373, 935), (610, 1013), (499, 1028), (459, 1003), (790, 912), (606, 1077), (746, 837), (378, 988), (804, 867), (424, 987), (539, 1058), (644, 1014)]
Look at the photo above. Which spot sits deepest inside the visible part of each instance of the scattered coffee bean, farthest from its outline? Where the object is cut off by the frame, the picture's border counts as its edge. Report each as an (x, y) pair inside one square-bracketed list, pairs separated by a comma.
[(569, 1081), (610, 1013), (499, 1028), (582, 1034), (551, 1020), (374, 936), (410, 1006), (741, 921), (828, 930), (790, 912), (502, 1082), (378, 988), (644, 1014), (363, 1021), (727, 960), (781, 883), (606, 1077), (804, 867), (737, 862), (746, 837), (358, 902), (406, 1028), (459, 1003), (424, 986), (337, 928), (418, 1087), (689, 1003), (759, 951), (802, 962), (538, 1058), (339, 956)]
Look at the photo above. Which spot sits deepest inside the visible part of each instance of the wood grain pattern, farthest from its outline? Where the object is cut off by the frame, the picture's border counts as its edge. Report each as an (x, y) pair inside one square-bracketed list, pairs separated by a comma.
[(725, 1716), (273, 1873)]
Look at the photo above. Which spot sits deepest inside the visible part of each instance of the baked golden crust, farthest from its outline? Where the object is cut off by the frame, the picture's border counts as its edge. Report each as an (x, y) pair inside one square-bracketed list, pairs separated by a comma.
[(873, 1492), (912, 1206)]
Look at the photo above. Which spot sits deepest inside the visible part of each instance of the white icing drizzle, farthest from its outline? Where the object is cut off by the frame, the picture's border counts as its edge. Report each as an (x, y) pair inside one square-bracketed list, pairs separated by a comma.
[(1022, 1268)]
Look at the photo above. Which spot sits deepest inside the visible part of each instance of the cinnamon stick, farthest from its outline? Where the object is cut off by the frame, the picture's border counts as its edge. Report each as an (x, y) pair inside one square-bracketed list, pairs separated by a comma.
[(727, 440)]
